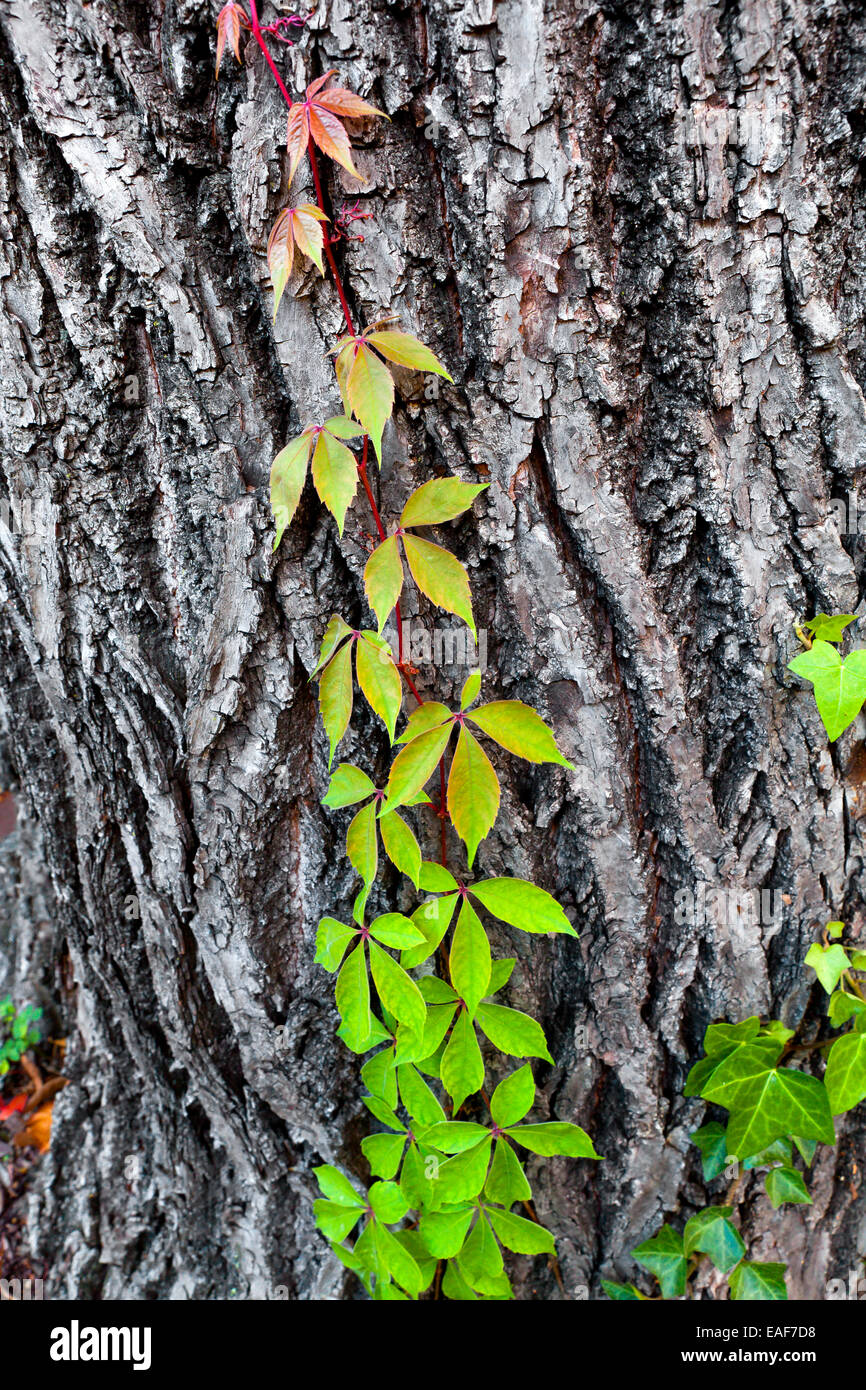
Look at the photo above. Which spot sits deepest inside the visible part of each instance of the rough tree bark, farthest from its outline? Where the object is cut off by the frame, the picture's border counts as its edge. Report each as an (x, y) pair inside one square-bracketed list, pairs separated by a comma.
[(636, 234)]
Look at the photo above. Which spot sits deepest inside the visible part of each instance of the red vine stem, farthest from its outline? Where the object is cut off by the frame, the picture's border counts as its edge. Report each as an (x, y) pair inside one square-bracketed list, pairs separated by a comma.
[(362, 466)]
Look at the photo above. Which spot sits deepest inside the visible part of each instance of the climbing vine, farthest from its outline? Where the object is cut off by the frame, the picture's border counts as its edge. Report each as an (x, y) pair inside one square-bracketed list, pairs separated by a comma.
[(417, 994)]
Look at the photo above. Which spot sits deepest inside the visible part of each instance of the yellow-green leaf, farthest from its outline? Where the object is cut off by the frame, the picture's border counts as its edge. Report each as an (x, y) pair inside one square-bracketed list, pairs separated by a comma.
[(470, 958), (288, 471), (370, 391), (335, 475), (383, 579), (440, 499), (353, 999), (336, 632), (361, 842), (462, 1066), (398, 993), (406, 351), (473, 792), (401, 846), (427, 716), (441, 577), (335, 696), (516, 727), (413, 766), (379, 679)]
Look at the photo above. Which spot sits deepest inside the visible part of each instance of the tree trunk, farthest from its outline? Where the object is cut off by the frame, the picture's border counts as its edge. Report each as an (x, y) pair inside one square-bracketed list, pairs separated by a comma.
[(636, 236)]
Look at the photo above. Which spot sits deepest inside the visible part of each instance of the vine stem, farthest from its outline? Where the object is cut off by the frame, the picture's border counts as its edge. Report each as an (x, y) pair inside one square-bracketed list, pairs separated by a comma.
[(362, 466)]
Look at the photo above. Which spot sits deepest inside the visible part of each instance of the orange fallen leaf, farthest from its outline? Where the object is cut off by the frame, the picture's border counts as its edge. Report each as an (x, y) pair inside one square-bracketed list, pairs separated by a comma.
[(36, 1133), (16, 1103)]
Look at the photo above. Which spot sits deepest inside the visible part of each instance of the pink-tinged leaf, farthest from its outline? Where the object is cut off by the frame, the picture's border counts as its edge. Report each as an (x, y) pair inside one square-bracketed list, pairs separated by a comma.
[(297, 136), (441, 577), (383, 579), (335, 475), (288, 471), (406, 351), (370, 388), (309, 236), (343, 427), (442, 499), (336, 632), (379, 679), (427, 716), (294, 227), (414, 765), (473, 793), (517, 728), (346, 104), (335, 696), (231, 19), (330, 135)]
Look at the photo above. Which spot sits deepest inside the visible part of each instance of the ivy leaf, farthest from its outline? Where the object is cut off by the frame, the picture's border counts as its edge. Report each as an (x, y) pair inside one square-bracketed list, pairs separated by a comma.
[(353, 999), (827, 628), (786, 1185), (712, 1140), (406, 351), (767, 1102), (514, 1033), (441, 578), (379, 679), (295, 227), (522, 1236), (517, 728), (840, 686), (713, 1234), (473, 793), (829, 964), (335, 696), (230, 20), (754, 1281), (506, 1182), (522, 905), (348, 786), (663, 1256), (288, 472), (398, 993), (383, 580), (554, 1137), (317, 118), (845, 1077), (513, 1098), (401, 847), (843, 1007), (335, 475), (462, 1067), (369, 389), (413, 766), (332, 938), (439, 500), (622, 1293), (470, 958)]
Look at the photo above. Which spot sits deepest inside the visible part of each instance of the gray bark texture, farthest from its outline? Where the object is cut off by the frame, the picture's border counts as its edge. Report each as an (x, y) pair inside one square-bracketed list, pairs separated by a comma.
[(635, 233)]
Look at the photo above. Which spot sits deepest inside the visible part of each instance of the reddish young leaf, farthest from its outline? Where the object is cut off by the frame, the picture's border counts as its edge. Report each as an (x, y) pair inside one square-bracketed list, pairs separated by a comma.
[(318, 118), (231, 19), (295, 227)]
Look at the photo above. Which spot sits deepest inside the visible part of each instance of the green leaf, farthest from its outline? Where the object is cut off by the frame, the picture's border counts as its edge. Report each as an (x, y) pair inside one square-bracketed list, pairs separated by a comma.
[(353, 998), (335, 1221), (288, 471), (432, 919), (395, 930), (786, 1185), (506, 1181), (396, 1260), (753, 1281), (522, 1236), (379, 679), (332, 938), (416, 1186), (473, 793), (835, 929), (462, 1067), (721, 1037), (712, 1233), (440, 577), (858, 960), (428, 716), (406, 351), (335, 633), (845, 1077), (361, 843), (843, 1007), (438, 1022), (513, 1097), (335, 696), (712, 1140), (444, 1232), (383, 1153), (461, 1178), (335, 475), (455, 1136), (388, 1202), (480, 1259), (622, 1293), (370, 391), (513, 1032), (554, 1137), (829, 964), (440, 499), (663, 1256), (398, 993), (348, 786), (379, 1075), (767, 1102), (779, 1151), (343, 427), (401, 846), (806, 1148), (471, 687), (470, 958), (417, 1097), (500, 973), (522, 905), (840, 686), (435, 878), (336, 1187), (436, 991), (414, 765), (517, 728), (383, 579), (827, 628)]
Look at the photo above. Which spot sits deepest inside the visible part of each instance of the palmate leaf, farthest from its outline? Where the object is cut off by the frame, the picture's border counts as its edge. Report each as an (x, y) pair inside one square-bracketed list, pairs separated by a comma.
[(462, 1066), (231, 20), (513, 1098), (318, 118), (295, 227), (840, 686), (523, 905), (663, 1255), (712, 1233), (335, 696), (506, 1181), (767, 1102), (828, 962), (353, 1000), (522, 1236), (829, 628), (756, 1281), (369, 389), (469, 958), (785, 1184), (845, 1077), (514, 1033), (413, 767), (383, 579)]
